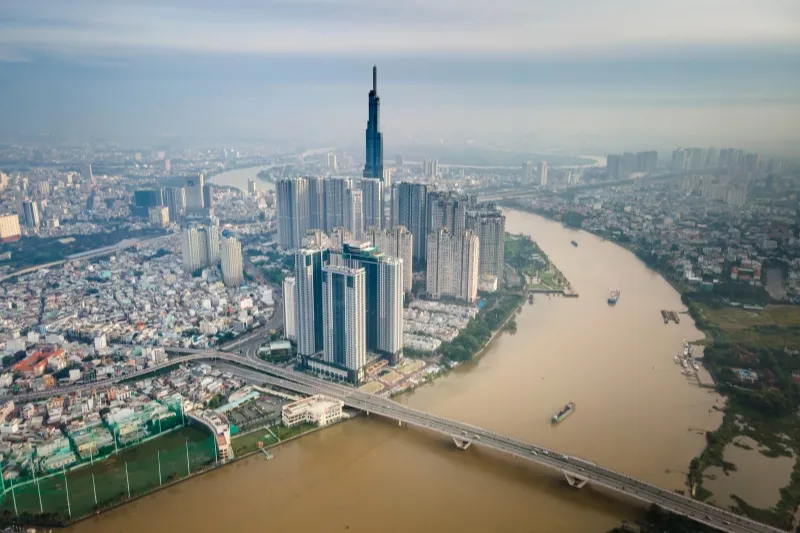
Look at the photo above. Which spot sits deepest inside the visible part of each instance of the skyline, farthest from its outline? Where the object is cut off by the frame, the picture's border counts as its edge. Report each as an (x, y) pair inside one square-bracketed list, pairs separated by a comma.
[(565, 76)]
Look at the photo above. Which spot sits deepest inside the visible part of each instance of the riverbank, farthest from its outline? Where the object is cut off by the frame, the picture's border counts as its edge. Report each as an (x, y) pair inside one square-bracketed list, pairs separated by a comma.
[(761, 404)]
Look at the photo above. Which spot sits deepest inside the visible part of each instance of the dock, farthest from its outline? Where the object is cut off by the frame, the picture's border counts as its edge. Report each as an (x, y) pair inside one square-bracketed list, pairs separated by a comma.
[(670, 315)]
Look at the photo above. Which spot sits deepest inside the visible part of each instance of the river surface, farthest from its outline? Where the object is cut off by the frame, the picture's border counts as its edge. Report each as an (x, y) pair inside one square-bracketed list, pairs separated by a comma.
[(238, 178), (635, 413)]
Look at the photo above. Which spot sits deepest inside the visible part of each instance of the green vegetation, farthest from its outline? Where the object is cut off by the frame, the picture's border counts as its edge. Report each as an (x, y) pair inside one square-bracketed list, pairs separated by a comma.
[(656, 520), (248, 443), (499, 306), (522, 253), (33, 251), (283, 432), (108, 478)]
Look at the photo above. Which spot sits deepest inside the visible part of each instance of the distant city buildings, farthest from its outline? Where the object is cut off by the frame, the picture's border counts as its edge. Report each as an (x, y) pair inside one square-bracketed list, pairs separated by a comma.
[(543, 174), (30, 209), (452, 265), (175, 200), (373, 203), (622, 166), (430, 168), (200, 247), (231, 261)]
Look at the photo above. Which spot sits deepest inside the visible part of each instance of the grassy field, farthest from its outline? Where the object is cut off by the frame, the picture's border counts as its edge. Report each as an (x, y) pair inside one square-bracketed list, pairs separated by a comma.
[(734, 319), (249, 443), (110, 478), (775, 327)]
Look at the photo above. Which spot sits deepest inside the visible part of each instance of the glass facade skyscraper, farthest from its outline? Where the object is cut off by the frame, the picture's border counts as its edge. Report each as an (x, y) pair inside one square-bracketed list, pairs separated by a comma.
[(373, 168)]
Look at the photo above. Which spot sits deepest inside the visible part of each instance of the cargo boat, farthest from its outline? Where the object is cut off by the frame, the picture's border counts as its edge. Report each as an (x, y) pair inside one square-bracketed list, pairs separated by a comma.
[(563, 413), (613, 296), (573, 243)]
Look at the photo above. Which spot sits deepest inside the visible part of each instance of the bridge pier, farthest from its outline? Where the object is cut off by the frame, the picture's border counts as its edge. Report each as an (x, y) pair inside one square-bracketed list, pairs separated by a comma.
[(575, 480), (461, 444)]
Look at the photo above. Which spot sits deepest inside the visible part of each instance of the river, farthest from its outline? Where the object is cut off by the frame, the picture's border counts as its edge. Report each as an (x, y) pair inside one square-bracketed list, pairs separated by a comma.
[(635, 413)]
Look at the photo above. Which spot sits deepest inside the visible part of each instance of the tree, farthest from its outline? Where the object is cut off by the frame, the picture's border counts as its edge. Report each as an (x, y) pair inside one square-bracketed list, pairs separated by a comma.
[(8, 360), (20, 355)]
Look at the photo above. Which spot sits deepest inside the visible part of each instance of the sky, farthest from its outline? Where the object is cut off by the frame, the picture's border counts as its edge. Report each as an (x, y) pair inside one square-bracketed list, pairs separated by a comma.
[(570, 75)]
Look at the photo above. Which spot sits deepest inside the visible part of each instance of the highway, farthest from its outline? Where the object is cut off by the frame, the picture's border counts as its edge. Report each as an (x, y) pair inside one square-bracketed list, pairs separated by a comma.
[(577, 471)]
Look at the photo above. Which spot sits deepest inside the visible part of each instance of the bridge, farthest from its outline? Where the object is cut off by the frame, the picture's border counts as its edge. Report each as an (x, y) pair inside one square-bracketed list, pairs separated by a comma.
[(577, 471)]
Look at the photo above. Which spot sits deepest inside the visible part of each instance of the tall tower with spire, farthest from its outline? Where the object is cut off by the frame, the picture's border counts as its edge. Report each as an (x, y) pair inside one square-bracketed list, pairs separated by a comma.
[(373, 168)]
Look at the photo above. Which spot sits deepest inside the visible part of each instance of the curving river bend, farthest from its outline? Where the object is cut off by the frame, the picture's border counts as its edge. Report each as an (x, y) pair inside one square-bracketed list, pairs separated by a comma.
[(635, 413)]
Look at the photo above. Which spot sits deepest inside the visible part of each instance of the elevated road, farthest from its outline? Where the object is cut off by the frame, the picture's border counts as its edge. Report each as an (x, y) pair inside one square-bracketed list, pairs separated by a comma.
[(577, 471)]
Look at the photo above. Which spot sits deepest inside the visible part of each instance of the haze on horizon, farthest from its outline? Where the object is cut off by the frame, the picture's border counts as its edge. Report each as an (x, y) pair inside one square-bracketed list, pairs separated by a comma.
[(575, 75)]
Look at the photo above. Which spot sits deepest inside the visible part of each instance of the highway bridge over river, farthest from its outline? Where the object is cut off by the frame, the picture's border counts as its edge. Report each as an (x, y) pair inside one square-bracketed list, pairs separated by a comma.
[(578, 472)]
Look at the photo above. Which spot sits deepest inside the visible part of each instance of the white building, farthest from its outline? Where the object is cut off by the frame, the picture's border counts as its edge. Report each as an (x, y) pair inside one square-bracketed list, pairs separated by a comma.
[(490, 227), (355, 213), (100, 343), (453, 264), (317, 409), (231, 257), (200, 247), (397, 242), (543, 173), (289, 296)]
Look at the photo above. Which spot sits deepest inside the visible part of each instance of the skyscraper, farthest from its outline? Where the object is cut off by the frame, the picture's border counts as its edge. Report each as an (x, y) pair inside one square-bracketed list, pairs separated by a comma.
[(355, 213), (292, 212), (194, 193), (208, 197), (490, 227), (412, 213), (453, 263), (343, 316), (195, 249), (447, 210), (144, 199), (396, 242), (30, 211), (212, 243), (384, 296), (308, 264), (316, 203), (289, 303), (335, 192), (231, 256), (679, 159), (372, 197), (543, 173), (175, 200), (373, 168), (159, 216)]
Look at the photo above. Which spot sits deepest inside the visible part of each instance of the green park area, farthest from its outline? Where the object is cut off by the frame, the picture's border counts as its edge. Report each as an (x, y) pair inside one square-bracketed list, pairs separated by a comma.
[(249, 442), (526, 258), (56, 499)]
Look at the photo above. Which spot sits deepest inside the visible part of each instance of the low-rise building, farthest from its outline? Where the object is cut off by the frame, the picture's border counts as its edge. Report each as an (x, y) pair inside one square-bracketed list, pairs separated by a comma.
[(317, 409)]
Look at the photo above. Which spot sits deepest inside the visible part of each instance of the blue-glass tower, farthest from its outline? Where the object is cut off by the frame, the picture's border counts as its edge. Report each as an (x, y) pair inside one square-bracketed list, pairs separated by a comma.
[(374, 165)]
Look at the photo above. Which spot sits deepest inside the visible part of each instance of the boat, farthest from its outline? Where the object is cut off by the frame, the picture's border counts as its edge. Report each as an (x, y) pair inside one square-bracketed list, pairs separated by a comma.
[(677, 360), (573, 243), (613, 296), (563, 413), (696, 366)]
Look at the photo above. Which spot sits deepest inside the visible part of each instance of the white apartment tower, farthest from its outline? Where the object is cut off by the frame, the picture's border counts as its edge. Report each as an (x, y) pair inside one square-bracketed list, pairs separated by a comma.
[(289, 297), (344, 318), (453, 264), (231, 257), (396, 242)]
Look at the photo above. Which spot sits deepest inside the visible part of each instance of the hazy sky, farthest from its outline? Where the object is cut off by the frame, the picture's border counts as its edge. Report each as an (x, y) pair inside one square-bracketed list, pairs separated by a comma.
[(570, 74)]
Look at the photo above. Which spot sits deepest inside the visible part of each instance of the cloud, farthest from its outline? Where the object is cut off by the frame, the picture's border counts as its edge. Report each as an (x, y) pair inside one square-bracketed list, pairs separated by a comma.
[(401, 27)]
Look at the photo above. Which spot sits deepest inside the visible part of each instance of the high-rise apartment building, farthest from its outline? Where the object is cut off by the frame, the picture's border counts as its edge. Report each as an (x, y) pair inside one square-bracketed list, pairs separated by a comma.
[(413, 214), (308, 265), (490, 227), (335, 201), (9, 228), (331, 162), (355, 213), (252, 190), (289, 304), (384, 296), (372, 196), (175, 200), (396, 242), (344, 319), (194, 193), (452, 265), (231, 259), (430, 168), (543, 174), (447, 210), (679, 160), (208, 197), (30, 210), (292, 212), (373, 168), (194, 245), (316, 203)]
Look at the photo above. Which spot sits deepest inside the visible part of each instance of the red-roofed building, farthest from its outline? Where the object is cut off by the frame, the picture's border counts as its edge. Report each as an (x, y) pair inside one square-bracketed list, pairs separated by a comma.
[(35, 364)]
